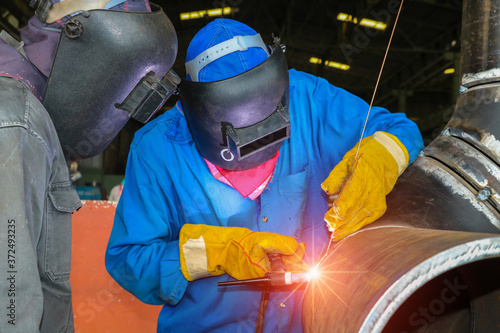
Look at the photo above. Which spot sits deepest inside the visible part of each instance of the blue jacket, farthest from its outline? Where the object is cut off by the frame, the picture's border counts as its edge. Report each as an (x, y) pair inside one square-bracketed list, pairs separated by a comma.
[(169, 184)]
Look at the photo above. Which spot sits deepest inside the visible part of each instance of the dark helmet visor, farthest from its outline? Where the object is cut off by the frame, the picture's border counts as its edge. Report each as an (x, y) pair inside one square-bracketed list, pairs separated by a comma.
[(240, 122)]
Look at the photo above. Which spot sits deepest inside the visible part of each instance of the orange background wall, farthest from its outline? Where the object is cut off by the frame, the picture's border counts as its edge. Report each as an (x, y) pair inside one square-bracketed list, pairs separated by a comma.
[(100, 305)]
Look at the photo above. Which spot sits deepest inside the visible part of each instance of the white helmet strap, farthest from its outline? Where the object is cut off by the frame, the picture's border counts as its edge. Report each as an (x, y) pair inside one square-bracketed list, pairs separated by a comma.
[(237, 43)]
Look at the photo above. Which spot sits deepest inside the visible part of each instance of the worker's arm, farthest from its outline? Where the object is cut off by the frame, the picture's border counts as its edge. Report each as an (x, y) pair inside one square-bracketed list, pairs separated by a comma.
[(36, 202), (150, 255), (20, 213), (338, 118), (143, 249)]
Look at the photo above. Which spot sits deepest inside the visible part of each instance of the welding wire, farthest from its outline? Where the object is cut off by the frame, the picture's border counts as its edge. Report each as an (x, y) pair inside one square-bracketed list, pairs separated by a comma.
[(376, 84), (326, 252), (367, 116)]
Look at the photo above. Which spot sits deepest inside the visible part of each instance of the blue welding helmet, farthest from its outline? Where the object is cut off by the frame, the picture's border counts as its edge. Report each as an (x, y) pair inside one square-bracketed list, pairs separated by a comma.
[(237, 121)]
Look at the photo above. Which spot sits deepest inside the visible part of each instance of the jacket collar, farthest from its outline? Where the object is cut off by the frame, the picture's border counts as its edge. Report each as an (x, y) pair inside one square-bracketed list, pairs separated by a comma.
[(14, 64)]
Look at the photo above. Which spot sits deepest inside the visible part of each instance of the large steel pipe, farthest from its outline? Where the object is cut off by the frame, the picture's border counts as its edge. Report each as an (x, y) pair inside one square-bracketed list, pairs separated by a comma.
[(404, 279), (432, 195), (476, 119), (480, 49)]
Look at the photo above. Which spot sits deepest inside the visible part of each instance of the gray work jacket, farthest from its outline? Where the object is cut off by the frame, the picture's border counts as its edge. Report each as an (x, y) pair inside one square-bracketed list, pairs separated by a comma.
[(36, 202)]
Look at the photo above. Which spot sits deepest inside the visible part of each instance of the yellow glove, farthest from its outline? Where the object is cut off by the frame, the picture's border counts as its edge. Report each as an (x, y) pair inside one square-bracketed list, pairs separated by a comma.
[(209, 250), (361, 192)]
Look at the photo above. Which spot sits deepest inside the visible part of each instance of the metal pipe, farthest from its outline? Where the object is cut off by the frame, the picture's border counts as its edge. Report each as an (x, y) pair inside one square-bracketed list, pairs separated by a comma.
[(480, 49), (432, 262), (402, 279)]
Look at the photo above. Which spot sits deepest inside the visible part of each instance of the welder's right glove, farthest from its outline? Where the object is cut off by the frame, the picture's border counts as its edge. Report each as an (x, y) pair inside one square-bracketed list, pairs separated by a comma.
[(209, 250)]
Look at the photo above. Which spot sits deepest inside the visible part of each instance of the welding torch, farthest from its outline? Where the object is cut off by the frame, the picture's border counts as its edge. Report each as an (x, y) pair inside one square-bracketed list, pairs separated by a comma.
[(276, 278)]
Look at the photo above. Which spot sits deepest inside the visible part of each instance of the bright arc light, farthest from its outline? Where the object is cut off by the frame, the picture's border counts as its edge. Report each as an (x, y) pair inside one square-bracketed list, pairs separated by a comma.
[(314, 273), (449, 71), (201, 13)]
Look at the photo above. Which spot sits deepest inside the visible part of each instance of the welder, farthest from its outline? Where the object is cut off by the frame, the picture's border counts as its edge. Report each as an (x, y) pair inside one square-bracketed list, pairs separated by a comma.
[(59, 91), (239, 169)]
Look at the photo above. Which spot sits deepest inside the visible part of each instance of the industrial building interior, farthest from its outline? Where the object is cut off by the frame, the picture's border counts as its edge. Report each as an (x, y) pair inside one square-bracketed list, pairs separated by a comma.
[(420, 76)]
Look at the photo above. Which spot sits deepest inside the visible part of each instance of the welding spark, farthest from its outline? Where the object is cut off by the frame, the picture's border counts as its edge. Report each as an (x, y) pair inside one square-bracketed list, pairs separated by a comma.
[(314, 273), (328, 278), (327, 249), (329, 287)]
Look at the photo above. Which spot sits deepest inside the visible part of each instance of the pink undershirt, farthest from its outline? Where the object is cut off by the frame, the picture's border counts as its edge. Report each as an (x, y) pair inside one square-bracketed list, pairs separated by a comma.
[(249, 183)]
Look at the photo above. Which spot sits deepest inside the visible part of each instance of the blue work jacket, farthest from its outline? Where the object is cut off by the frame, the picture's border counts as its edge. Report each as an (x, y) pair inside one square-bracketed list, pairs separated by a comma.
[(168, 184)]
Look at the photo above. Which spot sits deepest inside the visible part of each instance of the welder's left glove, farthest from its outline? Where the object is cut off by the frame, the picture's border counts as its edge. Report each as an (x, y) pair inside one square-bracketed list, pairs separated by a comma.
[(360, 192), (207, 250)]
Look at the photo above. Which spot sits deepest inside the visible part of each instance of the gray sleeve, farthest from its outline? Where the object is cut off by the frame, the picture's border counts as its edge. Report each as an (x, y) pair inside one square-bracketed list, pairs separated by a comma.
[(23, 181), (36, 202)]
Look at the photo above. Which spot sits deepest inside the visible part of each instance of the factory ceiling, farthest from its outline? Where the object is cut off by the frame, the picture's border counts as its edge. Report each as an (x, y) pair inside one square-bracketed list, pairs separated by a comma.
[(426, 42)]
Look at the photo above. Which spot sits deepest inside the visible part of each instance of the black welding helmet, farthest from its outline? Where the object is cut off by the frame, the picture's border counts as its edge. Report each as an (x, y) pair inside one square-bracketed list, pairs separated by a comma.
[(109, 65), (238, 117)]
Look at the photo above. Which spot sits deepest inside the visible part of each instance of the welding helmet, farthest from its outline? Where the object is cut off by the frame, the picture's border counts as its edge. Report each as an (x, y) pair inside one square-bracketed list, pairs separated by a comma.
[(112, 62), (235, 96)]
